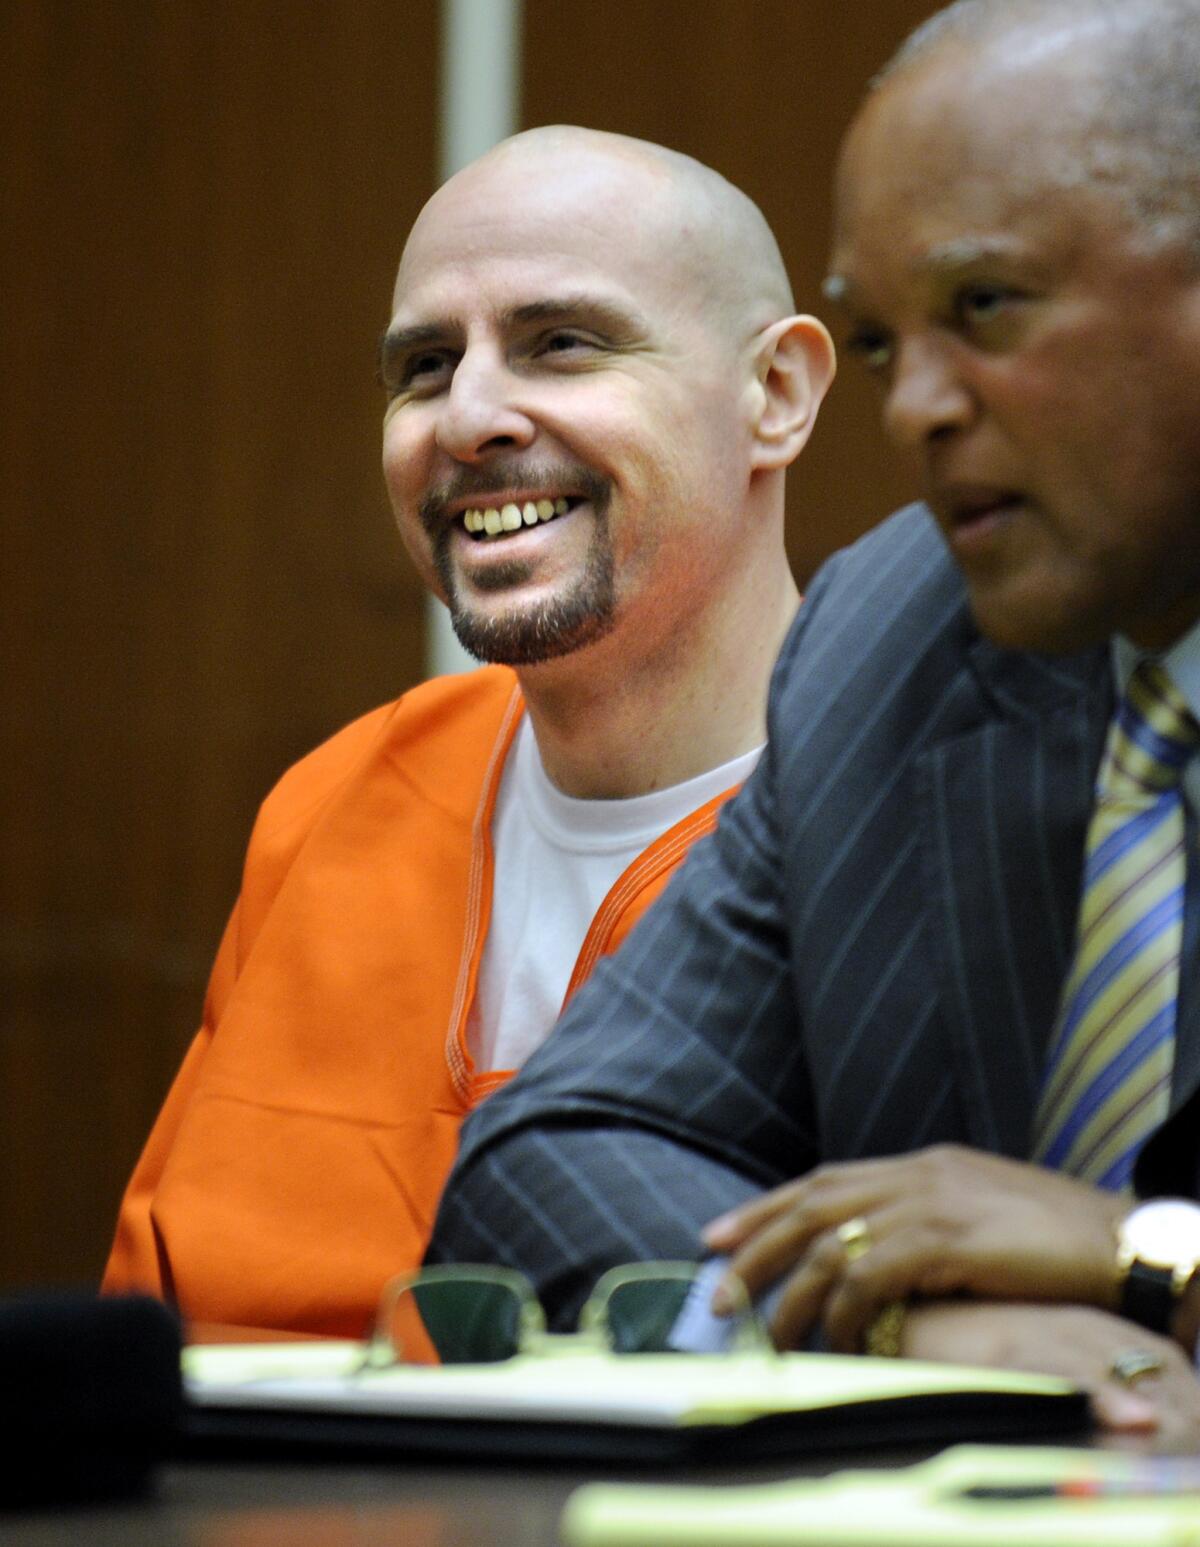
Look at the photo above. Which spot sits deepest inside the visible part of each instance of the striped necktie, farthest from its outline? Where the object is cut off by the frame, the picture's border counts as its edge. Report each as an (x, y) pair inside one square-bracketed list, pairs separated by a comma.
[(1108, 1079)]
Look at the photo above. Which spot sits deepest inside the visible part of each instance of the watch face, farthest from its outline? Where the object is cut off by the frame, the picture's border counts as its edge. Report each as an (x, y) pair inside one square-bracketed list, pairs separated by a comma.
[(1164, 1233)]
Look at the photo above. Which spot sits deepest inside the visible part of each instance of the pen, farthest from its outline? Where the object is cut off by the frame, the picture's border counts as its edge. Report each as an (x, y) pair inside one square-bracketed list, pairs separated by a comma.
[(1159, 1479)]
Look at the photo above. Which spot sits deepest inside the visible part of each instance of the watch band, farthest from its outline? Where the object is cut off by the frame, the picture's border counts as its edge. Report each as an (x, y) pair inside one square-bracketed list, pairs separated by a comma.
[(1147, 1297)]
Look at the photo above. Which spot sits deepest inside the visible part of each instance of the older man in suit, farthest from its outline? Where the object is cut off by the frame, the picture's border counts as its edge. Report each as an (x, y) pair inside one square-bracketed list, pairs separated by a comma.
[(949, 921)]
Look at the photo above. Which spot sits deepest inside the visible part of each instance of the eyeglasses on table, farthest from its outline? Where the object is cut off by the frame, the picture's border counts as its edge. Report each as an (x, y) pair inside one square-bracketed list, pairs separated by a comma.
[(482, 1315)]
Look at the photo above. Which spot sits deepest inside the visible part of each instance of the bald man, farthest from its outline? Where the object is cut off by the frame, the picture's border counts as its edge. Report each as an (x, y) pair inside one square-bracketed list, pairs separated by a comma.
[(595, 383), (956, 911)]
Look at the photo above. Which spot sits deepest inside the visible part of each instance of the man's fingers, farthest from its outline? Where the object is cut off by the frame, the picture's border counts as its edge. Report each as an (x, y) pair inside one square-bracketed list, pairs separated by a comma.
[(1123, 1411), (805, 1292), (728, 1231), (895, 1258), (850, 1309), (829, 1194), (897, 1267), (765, 1258), (1166, 1403)]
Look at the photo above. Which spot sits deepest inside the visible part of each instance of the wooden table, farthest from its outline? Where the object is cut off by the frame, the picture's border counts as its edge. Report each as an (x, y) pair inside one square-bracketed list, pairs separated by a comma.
[(201, 1504)]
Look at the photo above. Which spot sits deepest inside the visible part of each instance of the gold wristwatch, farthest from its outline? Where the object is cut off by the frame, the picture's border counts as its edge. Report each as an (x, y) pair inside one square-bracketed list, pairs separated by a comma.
[(1158, 1252)]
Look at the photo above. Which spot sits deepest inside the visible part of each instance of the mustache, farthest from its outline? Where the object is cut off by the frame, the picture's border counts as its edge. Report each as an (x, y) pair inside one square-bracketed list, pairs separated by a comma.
[(567, 477)]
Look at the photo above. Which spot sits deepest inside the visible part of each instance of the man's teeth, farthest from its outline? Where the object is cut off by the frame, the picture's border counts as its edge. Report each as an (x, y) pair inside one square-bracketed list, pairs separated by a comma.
[(510, 518)]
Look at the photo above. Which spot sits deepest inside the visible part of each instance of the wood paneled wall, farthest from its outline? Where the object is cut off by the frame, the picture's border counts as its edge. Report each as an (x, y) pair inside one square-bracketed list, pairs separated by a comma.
[(204, 201)]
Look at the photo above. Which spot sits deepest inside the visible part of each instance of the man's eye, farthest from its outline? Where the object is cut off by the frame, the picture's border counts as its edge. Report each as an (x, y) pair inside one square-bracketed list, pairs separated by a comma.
[(420, 367), (871, 347), (983, 303), (418, 373), (564, 341)]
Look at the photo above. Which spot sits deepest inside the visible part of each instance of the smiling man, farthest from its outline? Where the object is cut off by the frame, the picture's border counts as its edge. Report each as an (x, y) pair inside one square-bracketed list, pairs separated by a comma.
[(595, 384), (947, 914)]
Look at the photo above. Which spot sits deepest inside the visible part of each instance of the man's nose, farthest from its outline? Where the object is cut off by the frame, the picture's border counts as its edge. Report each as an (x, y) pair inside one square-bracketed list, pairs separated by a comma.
[(481, 412), (926, 398)]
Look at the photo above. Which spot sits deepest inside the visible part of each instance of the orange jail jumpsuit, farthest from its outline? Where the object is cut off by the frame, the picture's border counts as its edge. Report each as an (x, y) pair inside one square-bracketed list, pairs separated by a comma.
[(297, 1161)]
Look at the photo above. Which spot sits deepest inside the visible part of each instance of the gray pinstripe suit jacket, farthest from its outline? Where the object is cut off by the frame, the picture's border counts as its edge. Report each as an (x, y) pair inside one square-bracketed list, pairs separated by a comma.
[(866, 957)]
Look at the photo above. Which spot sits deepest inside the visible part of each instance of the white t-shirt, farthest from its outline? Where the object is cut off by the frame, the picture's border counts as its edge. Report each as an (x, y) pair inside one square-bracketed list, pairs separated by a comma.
[(556, 859)]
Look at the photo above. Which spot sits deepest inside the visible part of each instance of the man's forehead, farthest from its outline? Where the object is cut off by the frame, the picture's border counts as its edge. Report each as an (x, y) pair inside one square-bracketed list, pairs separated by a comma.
[(668, 237), (512, 193), (491, 258), (976, 171), (506, 285), (1017, 106)]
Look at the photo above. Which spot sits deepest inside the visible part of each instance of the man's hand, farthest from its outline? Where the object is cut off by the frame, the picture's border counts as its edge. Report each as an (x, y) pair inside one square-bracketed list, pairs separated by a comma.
[(940, 1222), (1078, 1343)]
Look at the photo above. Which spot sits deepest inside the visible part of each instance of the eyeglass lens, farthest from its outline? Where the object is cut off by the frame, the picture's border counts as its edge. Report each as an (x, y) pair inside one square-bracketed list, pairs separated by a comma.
[(469, 1321), (641, 1314)]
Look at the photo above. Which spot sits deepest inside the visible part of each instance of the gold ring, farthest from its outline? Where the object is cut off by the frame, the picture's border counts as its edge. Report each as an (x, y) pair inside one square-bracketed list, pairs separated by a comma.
[(1131, 1365), (884, 1338), (854, 1236)]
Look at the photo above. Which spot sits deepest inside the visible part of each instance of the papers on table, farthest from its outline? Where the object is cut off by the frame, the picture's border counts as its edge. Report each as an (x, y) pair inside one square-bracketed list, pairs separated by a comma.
[(570, 1400), (935, 1504)]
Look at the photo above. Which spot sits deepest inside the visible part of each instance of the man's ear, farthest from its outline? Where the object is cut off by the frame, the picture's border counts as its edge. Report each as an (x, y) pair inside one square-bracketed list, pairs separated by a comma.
[(794, 365)]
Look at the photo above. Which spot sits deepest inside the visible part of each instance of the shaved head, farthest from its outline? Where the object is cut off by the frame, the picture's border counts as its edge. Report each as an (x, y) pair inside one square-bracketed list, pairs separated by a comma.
[(1139, 118), (720, 246), (593, 341)]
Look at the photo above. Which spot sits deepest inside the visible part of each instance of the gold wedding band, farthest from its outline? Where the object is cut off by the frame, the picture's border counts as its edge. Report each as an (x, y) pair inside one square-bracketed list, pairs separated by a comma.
[(1131, 1365), (854, 1236)]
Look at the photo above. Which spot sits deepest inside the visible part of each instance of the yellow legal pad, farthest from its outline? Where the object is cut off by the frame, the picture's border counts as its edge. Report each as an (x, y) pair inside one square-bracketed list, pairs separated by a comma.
[(570, 1399), (917, 1506)]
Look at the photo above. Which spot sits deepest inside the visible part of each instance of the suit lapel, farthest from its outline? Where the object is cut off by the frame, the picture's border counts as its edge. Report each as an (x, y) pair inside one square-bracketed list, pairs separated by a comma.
[(1004, 810)]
